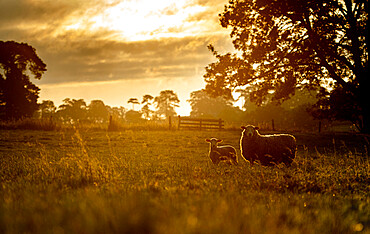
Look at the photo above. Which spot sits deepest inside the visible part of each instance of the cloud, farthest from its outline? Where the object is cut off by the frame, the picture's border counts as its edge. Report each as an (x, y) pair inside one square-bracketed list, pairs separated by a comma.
[(98, 60), (67, 36), (94, 51)]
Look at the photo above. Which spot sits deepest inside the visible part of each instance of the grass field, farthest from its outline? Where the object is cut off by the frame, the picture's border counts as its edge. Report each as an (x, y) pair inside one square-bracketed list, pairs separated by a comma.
[(85, 181)]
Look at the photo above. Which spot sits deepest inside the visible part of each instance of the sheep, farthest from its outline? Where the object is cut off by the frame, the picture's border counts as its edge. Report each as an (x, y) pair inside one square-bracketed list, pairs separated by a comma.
[(267, 149), (225, 153)]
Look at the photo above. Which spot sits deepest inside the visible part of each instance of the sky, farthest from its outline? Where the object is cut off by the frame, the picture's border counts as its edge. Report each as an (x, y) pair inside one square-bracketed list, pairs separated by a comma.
[(114, 50)]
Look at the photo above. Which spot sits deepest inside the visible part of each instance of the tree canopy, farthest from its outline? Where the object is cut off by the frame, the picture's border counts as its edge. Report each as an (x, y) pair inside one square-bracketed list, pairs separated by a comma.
[(133, 101), (97, 111), (203, 105), (47, 109), (284, 45), (72, 110), (147, 102), (18, 95), (166, 103)]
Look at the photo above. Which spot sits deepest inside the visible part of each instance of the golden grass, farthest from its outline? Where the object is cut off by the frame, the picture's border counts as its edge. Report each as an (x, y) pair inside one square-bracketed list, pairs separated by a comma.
[(86, 181), (31, 124)]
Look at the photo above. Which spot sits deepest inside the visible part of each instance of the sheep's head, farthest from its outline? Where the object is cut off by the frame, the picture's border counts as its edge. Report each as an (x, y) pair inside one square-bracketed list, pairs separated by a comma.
[(249, 131), (213, 142)]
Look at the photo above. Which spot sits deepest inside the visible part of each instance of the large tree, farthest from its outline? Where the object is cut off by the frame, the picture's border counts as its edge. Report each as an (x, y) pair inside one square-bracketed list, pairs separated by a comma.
[(18, 95), (282, 45)]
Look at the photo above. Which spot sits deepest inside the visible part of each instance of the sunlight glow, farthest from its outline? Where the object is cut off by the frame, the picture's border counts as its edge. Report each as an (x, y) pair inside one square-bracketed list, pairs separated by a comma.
[(131, 21), (144, 19), (117, 92)]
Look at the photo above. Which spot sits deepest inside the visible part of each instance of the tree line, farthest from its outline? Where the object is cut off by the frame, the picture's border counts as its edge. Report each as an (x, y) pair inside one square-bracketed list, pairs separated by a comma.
[(294, 113), (76, 110)]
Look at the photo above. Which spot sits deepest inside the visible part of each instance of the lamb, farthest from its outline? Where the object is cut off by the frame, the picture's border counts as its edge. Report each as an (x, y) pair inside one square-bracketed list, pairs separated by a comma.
[(225, 153), (267, 149)]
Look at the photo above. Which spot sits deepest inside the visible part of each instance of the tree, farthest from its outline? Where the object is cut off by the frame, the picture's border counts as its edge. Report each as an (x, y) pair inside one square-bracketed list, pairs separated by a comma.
[(47, 109), (132, 116), (18, 95), (72, 110), (285, 45), (133, 101), (166, 103), (117, 112), (203, 105), (97, 111), (147, 102)]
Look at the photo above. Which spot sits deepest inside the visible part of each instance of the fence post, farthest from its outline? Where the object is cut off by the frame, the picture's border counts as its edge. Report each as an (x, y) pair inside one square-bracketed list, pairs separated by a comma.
[(169, 122), (110, 124), (220, 124), (273, 125), (178, 127)]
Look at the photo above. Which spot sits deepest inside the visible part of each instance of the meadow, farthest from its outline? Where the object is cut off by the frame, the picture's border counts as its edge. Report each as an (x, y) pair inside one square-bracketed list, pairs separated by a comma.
[(160, 181)]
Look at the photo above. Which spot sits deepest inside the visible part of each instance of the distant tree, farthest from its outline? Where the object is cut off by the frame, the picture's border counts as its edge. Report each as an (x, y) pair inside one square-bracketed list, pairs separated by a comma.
[(132, 116), (147, 102), (203, 105), (47, 109), (244, 95), (166, 103), (117, 112), (293, 113), (289, 44), (338, 99), (18, 95), (267, 112), (72, 110), (301, 98), (97, 111), (133, 101)]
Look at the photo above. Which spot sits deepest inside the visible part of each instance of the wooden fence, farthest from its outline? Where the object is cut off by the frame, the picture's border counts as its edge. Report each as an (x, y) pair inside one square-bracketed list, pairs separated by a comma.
[(199, 123)]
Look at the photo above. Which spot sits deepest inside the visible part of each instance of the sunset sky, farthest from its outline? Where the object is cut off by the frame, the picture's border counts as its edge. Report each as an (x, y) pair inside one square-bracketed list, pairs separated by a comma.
[(113, 50)]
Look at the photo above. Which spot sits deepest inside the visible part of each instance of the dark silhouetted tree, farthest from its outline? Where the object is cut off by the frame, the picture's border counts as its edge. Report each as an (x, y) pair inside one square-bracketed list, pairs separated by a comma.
[(285, 45), (338, 99), (166, 103), (133, 101), (203, 105), (72, 110), (18, 95), (147, 102), (47, 109), (97, 111)]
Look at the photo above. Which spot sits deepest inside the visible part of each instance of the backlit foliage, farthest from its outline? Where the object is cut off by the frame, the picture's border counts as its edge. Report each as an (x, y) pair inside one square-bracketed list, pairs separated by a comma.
[(284, 45)]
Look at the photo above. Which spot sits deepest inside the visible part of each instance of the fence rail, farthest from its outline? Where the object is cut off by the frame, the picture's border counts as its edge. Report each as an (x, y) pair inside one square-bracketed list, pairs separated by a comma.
[(186, 122)]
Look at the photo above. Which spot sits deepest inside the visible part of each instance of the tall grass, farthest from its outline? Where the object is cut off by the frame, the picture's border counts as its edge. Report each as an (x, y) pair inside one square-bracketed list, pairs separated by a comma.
[(119, 125), (116, 124), (31, 124), (55, 125), (163, 182)]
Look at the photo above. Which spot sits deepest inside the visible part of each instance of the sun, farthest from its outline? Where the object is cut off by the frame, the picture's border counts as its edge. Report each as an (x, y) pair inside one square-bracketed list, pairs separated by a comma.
[(143, 19)]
